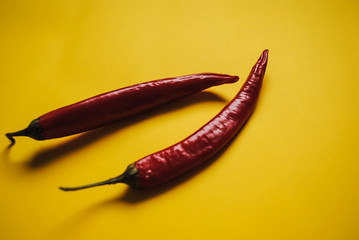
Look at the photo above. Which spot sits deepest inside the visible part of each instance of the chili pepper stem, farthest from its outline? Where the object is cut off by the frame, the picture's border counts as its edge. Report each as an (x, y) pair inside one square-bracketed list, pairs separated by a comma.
[(118, 179), (129, 177), (33, 131), (21, 133), (11, 136)]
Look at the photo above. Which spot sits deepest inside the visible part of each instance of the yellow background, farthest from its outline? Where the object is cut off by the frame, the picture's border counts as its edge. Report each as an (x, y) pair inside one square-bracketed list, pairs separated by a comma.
[(292, 172)]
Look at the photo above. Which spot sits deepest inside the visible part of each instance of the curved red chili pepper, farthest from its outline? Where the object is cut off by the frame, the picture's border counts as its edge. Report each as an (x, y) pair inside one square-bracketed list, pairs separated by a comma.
[(119, 104), (166, 164)]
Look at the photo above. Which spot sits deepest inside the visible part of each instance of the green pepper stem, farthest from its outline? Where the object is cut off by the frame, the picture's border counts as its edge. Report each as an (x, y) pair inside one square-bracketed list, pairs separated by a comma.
[(118, 179)]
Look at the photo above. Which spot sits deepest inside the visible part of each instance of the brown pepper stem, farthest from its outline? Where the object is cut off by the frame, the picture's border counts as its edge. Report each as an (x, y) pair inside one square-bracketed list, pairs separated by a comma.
[(33, 131), (11, 136)]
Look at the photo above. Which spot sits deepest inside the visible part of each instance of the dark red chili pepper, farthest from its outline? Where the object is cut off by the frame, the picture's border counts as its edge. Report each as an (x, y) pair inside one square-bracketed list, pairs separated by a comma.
[(166, 164), (115, 105)]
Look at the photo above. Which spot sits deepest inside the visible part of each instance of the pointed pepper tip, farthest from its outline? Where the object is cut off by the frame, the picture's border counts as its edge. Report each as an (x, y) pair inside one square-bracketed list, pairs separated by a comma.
[(265, 53), (263, 58)]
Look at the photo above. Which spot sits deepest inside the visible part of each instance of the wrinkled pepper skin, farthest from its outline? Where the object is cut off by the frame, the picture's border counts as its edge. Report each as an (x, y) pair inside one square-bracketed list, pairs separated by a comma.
[(209, 139), (166, 164), (116, 105)]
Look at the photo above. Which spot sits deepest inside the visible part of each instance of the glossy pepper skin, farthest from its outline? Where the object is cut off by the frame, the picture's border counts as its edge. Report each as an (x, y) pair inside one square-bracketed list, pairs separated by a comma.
[(208, 140), (166, 164), (109, 107)]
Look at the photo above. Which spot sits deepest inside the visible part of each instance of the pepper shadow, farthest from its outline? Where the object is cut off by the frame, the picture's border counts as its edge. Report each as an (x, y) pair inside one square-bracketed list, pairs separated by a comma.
[(134, 196), (5, 154), (48, 155)]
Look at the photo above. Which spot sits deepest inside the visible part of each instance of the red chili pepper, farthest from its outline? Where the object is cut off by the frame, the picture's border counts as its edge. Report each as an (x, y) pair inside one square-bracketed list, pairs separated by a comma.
[(115, 105), (166, 164)]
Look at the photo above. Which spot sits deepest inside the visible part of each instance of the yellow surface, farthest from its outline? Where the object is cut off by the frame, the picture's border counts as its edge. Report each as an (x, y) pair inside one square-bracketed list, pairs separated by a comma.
[(292, 173)]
